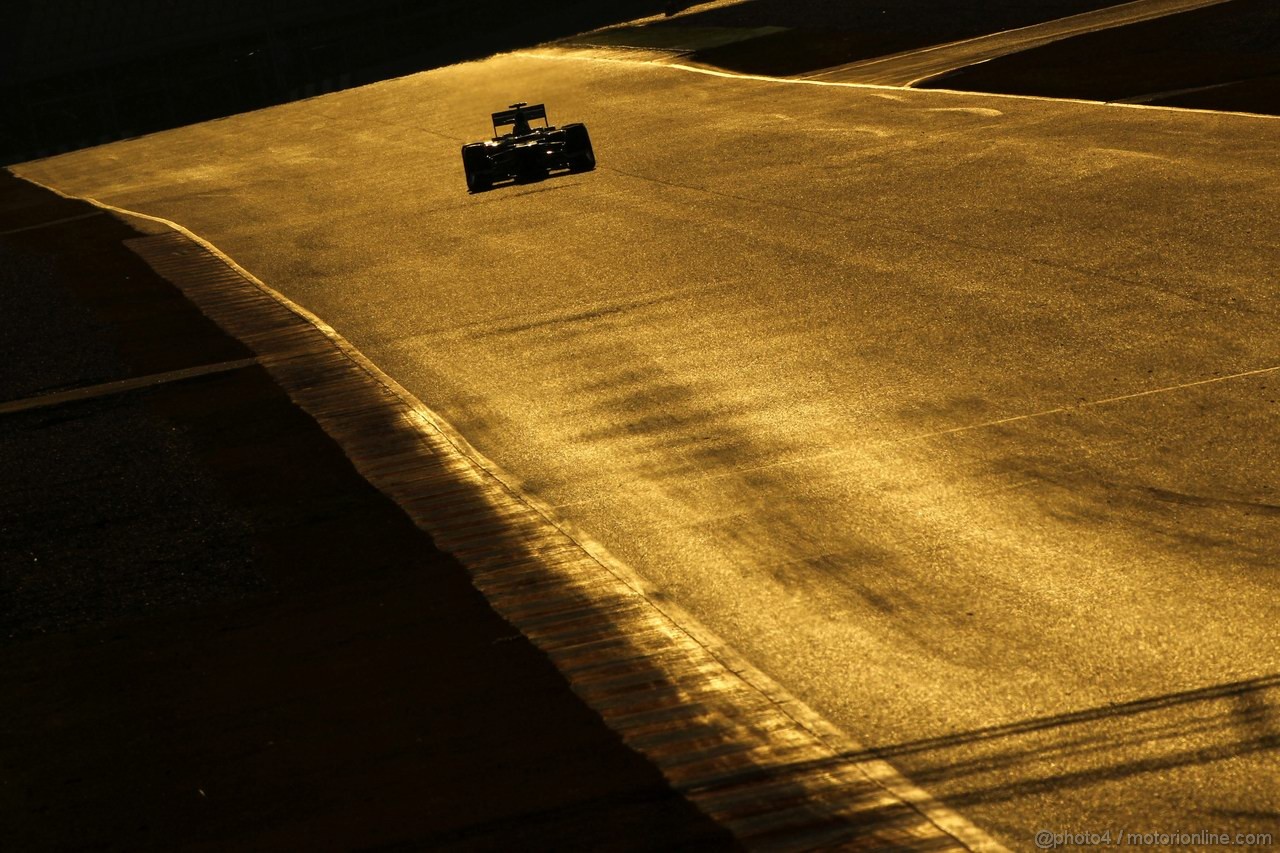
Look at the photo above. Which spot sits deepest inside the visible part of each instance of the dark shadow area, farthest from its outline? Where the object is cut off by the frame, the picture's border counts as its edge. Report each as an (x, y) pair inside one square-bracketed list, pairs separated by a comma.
[(1224, 57), (822, 33), (214, 633), (76, 75)]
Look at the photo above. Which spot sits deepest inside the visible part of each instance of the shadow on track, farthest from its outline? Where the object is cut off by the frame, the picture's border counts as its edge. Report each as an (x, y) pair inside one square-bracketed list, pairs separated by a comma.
[(1082, 748)]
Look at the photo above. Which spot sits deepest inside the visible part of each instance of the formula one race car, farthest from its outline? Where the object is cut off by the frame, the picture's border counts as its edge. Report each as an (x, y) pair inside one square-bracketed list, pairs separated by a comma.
[(525, 152)]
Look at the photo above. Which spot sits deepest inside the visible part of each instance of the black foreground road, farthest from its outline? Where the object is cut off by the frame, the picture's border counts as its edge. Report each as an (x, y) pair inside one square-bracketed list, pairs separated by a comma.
[(955, 414)]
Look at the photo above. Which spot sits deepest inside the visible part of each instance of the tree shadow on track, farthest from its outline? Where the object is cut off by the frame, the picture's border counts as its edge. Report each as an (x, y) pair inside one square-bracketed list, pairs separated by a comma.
[(1077, 749)]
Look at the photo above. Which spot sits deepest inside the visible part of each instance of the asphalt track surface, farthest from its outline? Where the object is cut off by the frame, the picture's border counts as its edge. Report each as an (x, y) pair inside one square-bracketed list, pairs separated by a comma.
[(953, 413), (911, 67)]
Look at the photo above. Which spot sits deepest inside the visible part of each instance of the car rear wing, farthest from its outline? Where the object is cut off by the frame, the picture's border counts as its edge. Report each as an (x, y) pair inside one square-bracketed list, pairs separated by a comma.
[(532, 112)]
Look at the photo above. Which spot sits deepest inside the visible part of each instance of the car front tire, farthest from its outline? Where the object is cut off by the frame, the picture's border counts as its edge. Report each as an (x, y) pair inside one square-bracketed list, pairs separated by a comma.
[(475, 164), (579, 154)]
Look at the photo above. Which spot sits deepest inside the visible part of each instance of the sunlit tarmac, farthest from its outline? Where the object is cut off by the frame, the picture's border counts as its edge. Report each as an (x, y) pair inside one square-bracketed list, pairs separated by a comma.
[(921, 400)]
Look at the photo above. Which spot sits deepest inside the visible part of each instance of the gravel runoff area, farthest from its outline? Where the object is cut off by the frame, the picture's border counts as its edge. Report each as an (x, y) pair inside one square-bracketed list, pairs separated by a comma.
[(214, 633), (1224, 57)]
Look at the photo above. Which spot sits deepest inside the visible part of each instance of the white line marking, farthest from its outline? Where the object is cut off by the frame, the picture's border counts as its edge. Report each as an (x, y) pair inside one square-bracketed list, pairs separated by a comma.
[(1091, 403), (1170, 93), (54, 222), (844, 451), (107, 389)]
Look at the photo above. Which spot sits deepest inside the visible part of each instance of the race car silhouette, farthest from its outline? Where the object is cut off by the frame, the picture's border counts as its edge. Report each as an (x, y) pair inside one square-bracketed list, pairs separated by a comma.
[(525, 152)]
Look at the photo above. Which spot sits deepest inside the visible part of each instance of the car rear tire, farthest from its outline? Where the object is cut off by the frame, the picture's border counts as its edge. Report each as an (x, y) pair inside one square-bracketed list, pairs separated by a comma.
[(579, 154)]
